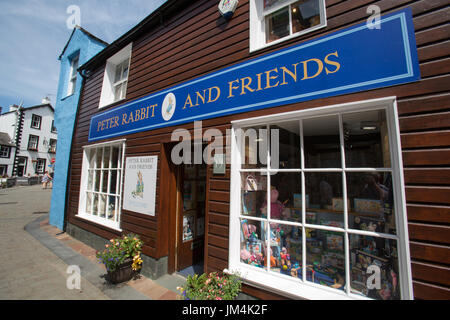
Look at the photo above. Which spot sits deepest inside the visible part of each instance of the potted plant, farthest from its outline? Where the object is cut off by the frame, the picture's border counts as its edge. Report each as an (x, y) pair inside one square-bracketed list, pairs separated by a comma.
[(212, 286), (122, 258)]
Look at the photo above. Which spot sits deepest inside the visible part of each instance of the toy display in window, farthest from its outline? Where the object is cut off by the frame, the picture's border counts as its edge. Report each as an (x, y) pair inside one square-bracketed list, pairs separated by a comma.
[(374, 267)]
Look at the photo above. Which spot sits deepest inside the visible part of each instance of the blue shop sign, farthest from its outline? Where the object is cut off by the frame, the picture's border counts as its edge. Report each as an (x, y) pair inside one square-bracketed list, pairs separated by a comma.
[(350, 60)]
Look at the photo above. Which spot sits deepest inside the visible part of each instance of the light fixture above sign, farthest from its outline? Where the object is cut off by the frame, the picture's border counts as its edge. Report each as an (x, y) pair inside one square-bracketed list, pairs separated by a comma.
[(227, 7)]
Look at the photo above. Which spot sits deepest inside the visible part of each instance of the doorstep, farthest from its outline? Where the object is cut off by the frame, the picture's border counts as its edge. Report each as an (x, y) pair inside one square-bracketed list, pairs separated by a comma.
[(141, 287)]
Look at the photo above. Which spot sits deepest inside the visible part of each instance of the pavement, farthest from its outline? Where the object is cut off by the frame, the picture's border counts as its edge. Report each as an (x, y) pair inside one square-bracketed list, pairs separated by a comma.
[(37, 259)]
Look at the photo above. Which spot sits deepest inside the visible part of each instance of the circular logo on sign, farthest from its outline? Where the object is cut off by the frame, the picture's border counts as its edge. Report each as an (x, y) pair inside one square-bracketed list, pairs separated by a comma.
[(168, 106)]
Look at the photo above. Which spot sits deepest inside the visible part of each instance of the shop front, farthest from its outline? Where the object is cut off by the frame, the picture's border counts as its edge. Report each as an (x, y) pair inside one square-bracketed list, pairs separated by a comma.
[(285, 165)]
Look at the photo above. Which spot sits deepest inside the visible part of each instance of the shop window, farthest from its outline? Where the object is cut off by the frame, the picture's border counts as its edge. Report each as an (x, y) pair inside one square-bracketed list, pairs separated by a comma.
[(115, 79), (5, 151), (273, 21), (73, 75), (328, 220), (36, 121), (33, 142), (101, 189)]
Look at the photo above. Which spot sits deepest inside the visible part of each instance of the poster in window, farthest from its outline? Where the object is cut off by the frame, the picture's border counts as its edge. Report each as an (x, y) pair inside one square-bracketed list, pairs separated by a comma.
[(140, 184)]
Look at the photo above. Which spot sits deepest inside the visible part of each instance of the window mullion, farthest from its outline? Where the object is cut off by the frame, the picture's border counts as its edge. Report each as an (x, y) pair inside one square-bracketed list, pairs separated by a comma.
[(345, 207), (268, 201), (302, 166)]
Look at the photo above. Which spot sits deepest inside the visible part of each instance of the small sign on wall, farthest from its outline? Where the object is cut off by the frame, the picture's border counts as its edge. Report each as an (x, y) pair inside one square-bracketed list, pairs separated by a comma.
[(140, 184)]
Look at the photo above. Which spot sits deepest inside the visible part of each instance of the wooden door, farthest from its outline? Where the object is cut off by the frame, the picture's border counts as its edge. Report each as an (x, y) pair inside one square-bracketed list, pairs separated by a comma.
[(191, 215)]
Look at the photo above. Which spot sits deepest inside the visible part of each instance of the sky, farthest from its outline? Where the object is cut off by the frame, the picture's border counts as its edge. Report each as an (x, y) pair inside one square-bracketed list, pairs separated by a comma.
[(33, 34)]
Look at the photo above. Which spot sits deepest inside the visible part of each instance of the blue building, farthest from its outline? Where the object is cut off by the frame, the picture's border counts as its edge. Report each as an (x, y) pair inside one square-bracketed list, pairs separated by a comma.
[(80, 47)]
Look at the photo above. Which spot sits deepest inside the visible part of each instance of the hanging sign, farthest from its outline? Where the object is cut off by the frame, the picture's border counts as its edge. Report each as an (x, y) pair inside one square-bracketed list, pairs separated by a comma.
[(351, 60), (140, 184)]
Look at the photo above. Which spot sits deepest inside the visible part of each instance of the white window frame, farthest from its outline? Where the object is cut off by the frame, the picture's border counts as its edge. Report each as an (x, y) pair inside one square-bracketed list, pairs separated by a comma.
[(5, 152), (33, 142), (52, 145), (258, 28), (301, 288), (36, 121), (73, 75), (113, 224), (40, 165), (107, 96)]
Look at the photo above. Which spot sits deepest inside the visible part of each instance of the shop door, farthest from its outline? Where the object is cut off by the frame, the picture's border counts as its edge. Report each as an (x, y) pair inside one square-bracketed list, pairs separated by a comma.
[(191, 215), (21, 166)]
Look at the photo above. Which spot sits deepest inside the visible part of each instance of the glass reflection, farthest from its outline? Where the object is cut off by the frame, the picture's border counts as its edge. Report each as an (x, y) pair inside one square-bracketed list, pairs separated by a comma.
[(372, 202), (286, 250), (325, 262), (366, 140), (253, 242), (374, 267), (324, 202)]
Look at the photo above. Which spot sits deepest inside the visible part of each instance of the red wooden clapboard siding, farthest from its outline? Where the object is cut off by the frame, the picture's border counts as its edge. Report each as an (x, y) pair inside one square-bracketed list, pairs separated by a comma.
[(197, 40)]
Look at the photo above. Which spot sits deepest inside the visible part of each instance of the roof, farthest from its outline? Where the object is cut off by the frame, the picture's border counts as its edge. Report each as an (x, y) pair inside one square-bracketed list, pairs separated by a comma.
[(40, 106), (5, 140), (154, 19), (85, 32)]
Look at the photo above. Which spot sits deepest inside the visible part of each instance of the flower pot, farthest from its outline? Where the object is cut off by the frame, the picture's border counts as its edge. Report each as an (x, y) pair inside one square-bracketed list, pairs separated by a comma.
[(123, 273)]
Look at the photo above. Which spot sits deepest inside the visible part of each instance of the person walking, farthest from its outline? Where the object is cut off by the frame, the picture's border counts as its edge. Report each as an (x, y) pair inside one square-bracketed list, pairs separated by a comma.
[(46, 179)]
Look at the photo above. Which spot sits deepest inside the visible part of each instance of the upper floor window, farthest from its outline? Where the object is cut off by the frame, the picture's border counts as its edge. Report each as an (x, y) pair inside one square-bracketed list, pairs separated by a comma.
[(116, 77), (33, 142), (36, 121), (52, 146), (273, 21), (40, 165), (53, 129), (4, 151), (73, 75)]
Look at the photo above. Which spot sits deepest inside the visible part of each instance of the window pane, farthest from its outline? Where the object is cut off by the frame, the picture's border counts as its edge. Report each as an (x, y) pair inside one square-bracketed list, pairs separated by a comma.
[(254, 194), (305, 14), (277, 25), (113, 181), (253, 239), (286, 196), (99, 157), (374, 267), (114, 157), (125, 70), (106, 157), (95, 207), (88, 202), (255, 144), (111, 208), (270, 3), (105, 181), (322, 143), (325, 262), (102, 207), (118, 73), (91, 157), (97, 180), (118, 91), (372, 202), (286, 249), (366, 140), (124, 90), (324, 204), (90, 179), (285, 151)]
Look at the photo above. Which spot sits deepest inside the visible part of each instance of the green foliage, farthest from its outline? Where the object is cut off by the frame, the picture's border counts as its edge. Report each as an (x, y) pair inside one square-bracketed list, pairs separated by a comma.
[(211, 286), (120, 250)]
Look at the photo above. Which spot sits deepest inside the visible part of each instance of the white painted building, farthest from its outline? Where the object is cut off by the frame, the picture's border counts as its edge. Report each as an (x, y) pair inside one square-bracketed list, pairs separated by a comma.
[(32, 131)]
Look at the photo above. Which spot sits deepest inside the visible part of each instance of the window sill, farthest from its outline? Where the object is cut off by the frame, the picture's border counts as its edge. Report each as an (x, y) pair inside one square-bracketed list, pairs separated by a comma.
[(100, 221), (255, 48), (111, 104)]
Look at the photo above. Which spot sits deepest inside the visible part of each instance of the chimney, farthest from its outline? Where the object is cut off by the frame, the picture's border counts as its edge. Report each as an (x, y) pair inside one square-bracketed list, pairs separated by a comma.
[(46, 100), (13, 107)]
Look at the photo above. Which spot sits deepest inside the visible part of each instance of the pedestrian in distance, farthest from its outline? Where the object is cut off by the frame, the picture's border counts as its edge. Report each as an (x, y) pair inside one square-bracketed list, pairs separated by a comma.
[(46, 179)]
